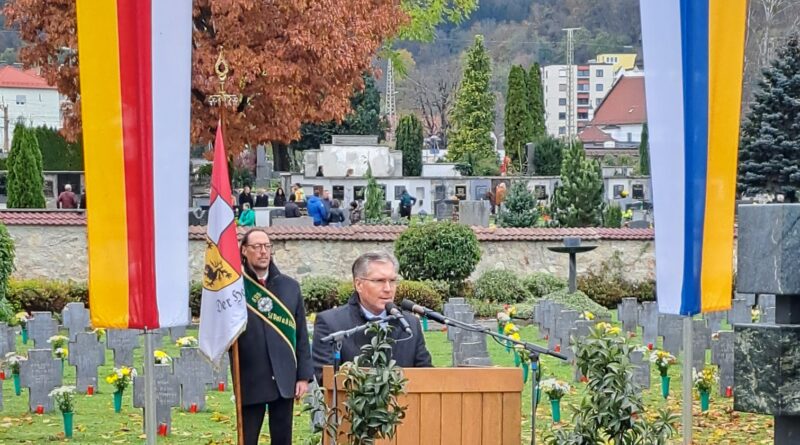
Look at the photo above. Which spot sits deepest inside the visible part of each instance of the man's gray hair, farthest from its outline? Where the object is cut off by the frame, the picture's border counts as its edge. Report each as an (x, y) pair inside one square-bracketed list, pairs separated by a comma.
[(361, 264)]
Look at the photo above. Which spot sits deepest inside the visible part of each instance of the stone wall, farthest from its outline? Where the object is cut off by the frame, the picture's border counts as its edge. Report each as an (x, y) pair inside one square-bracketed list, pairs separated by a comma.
[(59, 252)]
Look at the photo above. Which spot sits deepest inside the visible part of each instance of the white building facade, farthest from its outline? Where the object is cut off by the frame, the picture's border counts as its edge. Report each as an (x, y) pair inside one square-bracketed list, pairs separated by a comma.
[(591, 83), (29, 99)]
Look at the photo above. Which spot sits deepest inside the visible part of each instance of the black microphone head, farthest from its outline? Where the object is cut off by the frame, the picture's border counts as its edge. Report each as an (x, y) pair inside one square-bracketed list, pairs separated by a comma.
[(407, 305), (389, 307)]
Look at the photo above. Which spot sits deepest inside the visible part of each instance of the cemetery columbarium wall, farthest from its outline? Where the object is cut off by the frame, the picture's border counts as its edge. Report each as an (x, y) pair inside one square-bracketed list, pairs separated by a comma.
[(59, 251)]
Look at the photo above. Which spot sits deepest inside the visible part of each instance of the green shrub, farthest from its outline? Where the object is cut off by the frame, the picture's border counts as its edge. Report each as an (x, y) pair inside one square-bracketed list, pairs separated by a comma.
[(46, 295), (6, 268), (540, 284), (419, 292), (612, 216), (484, 308), (577, 301), (344, 290), (320, 293), (195, 297), (444, 251), (608, 286), (502, 286)]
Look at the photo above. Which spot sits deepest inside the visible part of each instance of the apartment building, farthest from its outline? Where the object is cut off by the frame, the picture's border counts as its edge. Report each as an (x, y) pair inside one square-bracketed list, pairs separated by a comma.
[(591, 82)]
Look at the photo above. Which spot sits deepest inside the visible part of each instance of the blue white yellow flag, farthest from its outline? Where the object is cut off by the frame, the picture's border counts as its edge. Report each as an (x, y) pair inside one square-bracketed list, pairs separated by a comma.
[(693, 52)]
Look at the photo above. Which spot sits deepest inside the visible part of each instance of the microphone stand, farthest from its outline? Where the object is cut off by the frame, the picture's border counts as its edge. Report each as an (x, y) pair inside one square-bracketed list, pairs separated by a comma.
[(535, 351), (337, 338)]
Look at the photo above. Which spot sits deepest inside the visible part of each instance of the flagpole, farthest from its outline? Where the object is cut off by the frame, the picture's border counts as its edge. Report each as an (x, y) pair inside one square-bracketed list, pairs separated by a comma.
[(149, 389), (222, 99), (687, 379)]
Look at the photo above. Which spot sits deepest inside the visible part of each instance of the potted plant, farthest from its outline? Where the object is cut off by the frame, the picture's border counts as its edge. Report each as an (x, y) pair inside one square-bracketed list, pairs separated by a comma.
[(14, 362), (22, 320), (704, 381), (59, 343), (120, 378), (555, 390), (65, 399), (186, 342), (663, 360)]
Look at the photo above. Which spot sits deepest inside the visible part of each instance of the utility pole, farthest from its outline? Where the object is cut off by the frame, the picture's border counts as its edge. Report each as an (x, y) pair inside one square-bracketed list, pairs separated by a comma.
[(570, 84), (391, 105), (5, 127)]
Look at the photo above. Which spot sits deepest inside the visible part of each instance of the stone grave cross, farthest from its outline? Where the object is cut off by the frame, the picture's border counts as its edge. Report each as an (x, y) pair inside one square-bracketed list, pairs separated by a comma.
[(167, 394), (193, 372), (122, 342), (41, 327), (671, 328), (7, 339), (87, 353), (628, 314), (40, 374), (76, 319), (648, 320), (722, 356), (701, 340)]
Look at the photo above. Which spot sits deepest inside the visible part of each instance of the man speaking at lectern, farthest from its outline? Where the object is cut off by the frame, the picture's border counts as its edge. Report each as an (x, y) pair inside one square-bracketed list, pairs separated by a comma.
[(375, 281)]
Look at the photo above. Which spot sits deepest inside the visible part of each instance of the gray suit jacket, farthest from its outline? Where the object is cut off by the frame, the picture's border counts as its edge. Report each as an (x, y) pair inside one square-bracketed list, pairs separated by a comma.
[(408, 353)]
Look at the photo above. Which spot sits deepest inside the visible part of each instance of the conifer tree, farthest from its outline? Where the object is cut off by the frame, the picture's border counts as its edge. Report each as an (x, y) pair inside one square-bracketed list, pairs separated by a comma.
[(536, 100), (518, 121), (26, 183), (375, 201), (578, 202), (644, 152), (409, 142), (472, 118), (548, 156), (519, 207), (769, 153)]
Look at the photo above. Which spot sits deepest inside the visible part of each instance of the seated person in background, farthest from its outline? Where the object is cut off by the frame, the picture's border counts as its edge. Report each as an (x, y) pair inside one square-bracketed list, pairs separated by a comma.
[(248, 216), (290, 210), (375, 281), (280, 198)]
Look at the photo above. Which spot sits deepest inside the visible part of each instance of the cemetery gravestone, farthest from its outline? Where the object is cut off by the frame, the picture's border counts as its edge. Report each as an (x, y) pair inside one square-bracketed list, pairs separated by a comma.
[(7, 339), (41, 327), (41, 373), (722, 356), (648, 320), (543, 311), (76, 319), (628, 314), (641, 371), (740, 312), (177, 332), (193, 373), (580, 330), (670, 327), (167, 394), (86, 354), (220, 375), (122, 342), (443, 211), (766, 303), (474, 213), (550, 323), (714, 320), (469, 348), (564, 324), (1, 394), (701, 340), (750, 298)]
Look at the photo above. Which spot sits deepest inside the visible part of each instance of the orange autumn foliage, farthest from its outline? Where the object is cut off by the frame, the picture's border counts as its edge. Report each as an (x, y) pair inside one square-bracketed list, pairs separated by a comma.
[(291, 61)]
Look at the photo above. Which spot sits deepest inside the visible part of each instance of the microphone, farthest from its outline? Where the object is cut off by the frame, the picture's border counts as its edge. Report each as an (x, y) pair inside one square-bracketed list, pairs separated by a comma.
[(391, 309), (410, 306)]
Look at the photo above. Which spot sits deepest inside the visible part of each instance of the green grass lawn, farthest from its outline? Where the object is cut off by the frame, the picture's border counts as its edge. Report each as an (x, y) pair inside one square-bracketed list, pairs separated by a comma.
[(96, 422)]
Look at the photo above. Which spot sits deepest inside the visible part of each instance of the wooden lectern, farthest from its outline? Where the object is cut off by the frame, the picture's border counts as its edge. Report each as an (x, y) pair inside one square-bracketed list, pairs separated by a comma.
[(453, 406)]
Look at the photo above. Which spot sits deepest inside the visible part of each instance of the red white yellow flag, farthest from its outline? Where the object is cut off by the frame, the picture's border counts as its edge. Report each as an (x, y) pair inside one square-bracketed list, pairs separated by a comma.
[(223, 310)]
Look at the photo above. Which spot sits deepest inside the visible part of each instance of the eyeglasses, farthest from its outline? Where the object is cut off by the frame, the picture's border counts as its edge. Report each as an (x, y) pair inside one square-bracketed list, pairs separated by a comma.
[(391, 282), (264, 246)]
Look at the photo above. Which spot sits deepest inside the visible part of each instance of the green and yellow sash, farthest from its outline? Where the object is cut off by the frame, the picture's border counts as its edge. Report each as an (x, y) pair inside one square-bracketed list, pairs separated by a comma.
[(274, 313)]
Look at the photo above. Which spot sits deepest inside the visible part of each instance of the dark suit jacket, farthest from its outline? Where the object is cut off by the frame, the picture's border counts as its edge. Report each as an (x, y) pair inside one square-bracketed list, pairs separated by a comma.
[(409, 353), (266, 372)]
